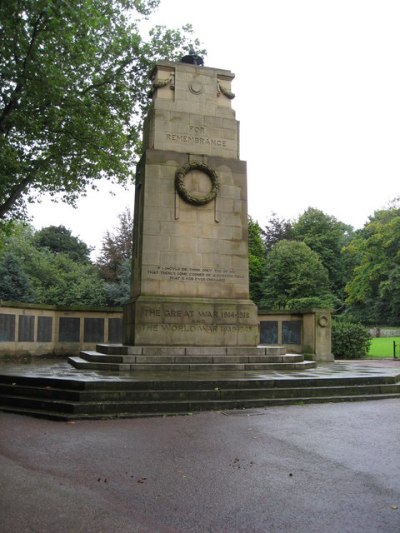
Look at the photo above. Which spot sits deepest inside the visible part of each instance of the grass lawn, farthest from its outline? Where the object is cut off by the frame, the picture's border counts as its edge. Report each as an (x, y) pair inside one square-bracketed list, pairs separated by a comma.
[(383, 347)]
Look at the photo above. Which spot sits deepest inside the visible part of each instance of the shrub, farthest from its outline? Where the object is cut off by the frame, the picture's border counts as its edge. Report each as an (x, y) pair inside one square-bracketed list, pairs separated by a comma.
[(350, 340)]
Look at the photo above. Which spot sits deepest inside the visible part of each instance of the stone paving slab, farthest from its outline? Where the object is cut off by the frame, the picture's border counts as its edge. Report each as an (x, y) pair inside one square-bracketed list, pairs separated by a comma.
[(60, 368)]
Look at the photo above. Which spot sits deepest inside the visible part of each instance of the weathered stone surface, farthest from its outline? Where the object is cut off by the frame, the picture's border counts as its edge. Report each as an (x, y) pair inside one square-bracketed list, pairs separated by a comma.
[(190, 277)]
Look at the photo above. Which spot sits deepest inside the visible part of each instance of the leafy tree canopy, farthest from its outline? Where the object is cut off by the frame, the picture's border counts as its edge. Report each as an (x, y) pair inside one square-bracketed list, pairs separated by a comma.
[(116, 248), (292, 272), (256, 260), (15, 284), (326, 236), (39, 275), (277, 229), (373, 291), (73, 86), (59, 239)]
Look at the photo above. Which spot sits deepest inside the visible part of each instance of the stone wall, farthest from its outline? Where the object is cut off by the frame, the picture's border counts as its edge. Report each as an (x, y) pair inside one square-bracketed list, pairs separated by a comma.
[(39, 330), (308, 332)]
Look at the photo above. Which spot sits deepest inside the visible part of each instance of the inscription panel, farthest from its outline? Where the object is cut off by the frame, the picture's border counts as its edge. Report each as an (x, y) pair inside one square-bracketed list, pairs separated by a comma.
[(205, 275), (269, 332), (291, 331), (45, 328), (93, 330), (7, 327), (26, 328), (115, 330), (69, 329), (195, 322)]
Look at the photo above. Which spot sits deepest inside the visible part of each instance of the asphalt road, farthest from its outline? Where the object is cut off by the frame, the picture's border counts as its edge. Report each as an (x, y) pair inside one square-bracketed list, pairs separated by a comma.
[(331, 468)]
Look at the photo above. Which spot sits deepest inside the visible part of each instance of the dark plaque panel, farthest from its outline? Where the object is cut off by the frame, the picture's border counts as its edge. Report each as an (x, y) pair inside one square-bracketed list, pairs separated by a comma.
[(115, 330), (26, 328), (291, 332), (69, 329), (7, 327), (93, 330), (45, 327), (269, 332)]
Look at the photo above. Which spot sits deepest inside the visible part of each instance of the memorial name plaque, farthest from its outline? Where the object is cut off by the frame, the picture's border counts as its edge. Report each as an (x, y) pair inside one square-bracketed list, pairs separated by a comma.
[(291, 331), (26, 328), (93, 330), (69, 329), (269, 332), (115, 330), (7, 327), (45, 327)]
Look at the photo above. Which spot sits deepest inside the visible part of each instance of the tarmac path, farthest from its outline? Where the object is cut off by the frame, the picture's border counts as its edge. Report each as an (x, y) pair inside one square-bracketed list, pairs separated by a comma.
[(326, 468)]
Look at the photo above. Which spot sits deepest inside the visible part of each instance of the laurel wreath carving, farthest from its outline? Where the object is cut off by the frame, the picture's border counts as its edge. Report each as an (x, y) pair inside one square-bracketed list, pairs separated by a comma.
[(226, 92), (185, 194), (159, 84)]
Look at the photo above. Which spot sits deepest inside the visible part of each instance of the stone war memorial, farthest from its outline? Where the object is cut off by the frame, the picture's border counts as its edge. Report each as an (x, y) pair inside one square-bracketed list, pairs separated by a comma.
[(190, 279), (190, 307)]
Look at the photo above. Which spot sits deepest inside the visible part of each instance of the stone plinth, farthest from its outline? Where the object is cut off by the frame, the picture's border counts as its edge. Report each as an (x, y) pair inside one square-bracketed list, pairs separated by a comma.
[(190, 322)]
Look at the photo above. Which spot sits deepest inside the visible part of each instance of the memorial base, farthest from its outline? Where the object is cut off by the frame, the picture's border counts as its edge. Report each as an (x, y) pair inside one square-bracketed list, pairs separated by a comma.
[(168, 321)]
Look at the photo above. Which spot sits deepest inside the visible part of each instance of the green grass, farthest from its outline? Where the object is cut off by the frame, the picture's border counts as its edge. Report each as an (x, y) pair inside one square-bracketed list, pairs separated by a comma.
[(383, 347)]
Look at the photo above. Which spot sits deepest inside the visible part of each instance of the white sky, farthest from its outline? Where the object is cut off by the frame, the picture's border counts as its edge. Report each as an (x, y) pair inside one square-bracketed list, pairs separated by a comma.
[(318, 99)]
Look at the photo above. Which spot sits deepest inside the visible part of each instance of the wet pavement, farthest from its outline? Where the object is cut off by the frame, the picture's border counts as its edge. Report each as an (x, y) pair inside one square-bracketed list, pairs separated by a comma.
[(332, 468), (60, 368)]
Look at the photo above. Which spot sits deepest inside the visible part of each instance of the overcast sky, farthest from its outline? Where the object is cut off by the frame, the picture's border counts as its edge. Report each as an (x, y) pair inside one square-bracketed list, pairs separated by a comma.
[(318, 99)]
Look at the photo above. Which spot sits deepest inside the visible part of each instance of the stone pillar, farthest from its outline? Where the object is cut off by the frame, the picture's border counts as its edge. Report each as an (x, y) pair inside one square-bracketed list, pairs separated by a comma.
[(190, 263)]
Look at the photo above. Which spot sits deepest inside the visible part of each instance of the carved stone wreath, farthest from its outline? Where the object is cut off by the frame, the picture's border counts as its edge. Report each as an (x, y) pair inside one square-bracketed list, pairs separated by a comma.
[(185, 194)]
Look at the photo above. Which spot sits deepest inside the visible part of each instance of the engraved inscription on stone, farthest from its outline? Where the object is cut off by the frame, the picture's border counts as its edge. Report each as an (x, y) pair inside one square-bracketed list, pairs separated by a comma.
[(269, 332), (26, 328), (93, 330), (207, 275), (45, 326), (114, 330), (291, 331), (7, 327), (69, 329), (196, 140)]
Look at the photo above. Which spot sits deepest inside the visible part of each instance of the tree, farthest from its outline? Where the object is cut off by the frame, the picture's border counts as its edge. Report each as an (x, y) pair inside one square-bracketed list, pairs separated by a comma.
[(15, 284), (116, 248), (256, 260), (373, 292), (277, 229), (118, 292), (54, 278), (61, 281), (326, 236), (292, 272), (59, 239), (73, 86)]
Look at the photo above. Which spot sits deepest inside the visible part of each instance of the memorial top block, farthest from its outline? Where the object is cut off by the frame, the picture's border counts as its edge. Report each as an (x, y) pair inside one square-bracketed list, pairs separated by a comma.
[(192, 111)]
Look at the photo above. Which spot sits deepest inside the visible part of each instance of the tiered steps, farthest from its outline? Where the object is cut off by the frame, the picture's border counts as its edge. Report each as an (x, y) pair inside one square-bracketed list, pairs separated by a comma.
[(90, 397), (123, 358)]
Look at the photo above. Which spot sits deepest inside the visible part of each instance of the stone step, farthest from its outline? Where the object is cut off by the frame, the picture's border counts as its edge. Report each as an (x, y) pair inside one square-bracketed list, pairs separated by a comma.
[(69, 398), (122, 349), (95, 356), (80, 363), (82, 410), (184, 394)]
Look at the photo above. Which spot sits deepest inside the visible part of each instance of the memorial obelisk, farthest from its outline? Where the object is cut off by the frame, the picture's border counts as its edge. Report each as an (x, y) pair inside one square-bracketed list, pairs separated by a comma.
[(190, 284)]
